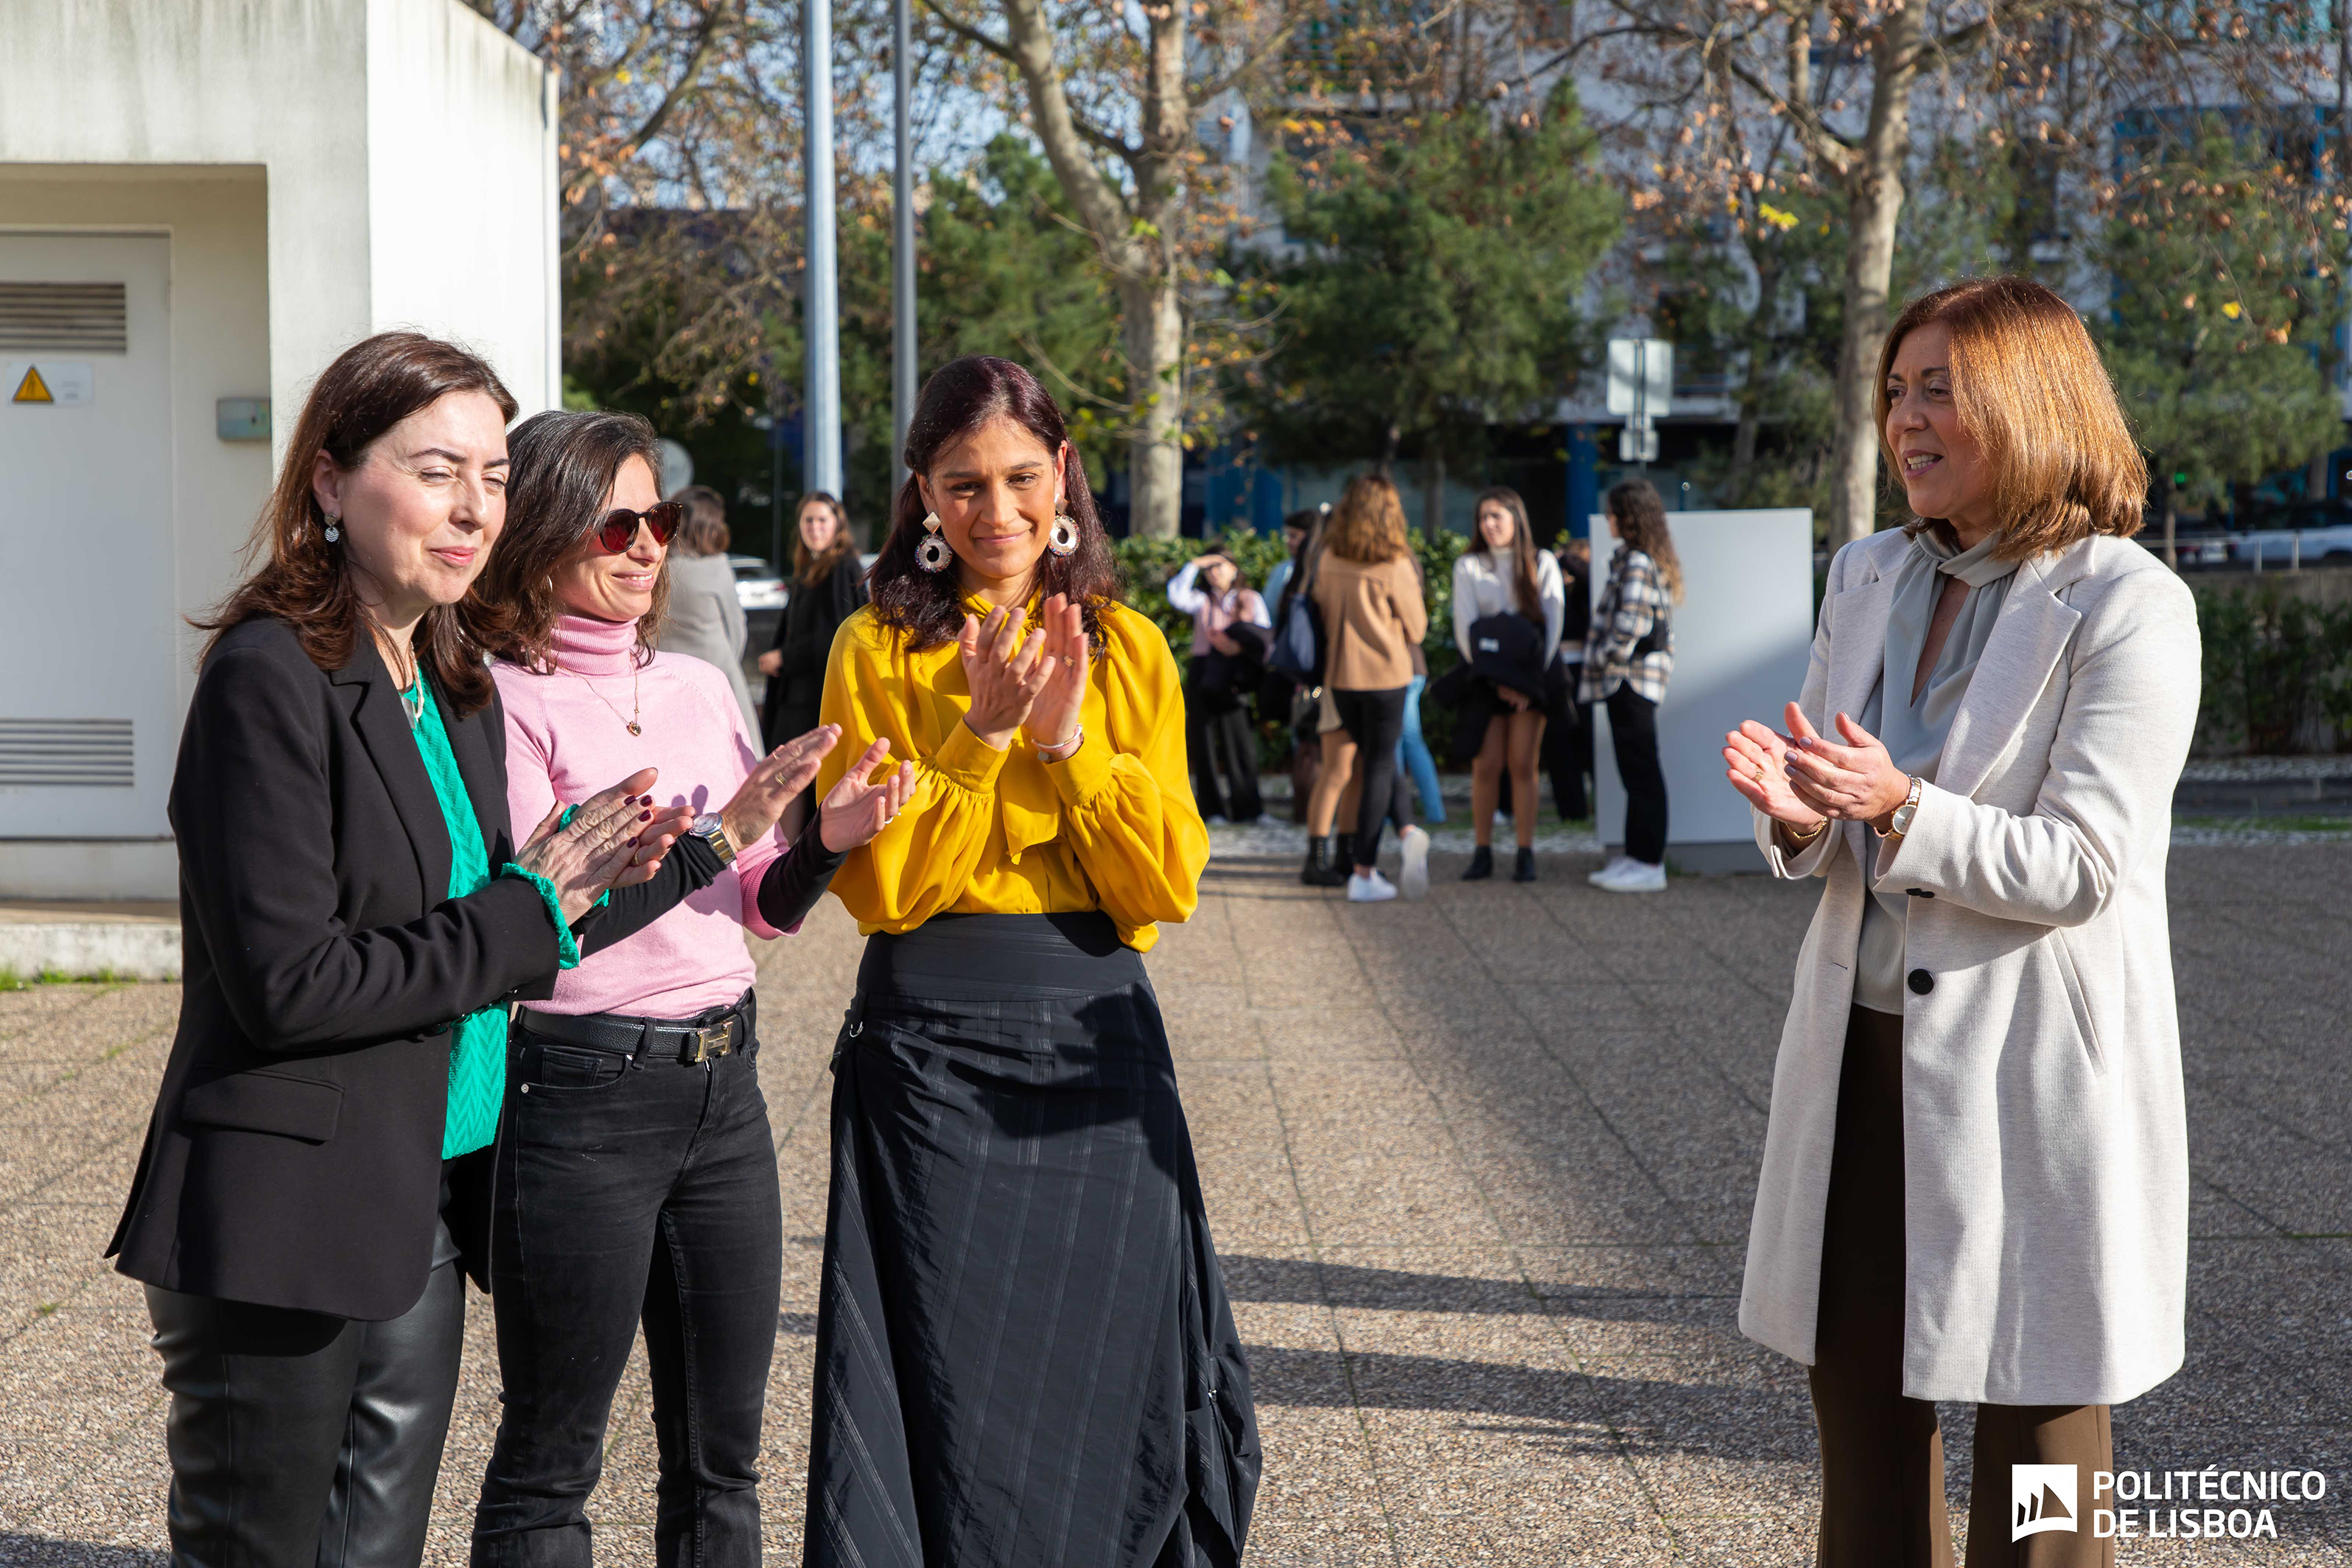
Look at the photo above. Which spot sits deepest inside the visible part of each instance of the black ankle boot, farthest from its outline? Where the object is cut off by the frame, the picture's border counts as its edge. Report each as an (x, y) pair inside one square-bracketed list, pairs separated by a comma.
[(1319, 870), (1482, 864), (1523, 868)]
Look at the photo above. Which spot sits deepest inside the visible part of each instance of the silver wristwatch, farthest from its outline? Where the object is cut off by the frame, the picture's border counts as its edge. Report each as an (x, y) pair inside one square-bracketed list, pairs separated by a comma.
[(712, 828), (1898, 821)]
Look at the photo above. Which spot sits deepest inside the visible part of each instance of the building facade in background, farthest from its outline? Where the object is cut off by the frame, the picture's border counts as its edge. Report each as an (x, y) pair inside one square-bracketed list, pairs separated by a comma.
[(201, 205)]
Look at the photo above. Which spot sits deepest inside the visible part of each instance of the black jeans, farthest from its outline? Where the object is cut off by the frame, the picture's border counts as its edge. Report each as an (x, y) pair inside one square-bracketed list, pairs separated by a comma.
[(1568, 753), (302, 1441), (1220, 738), (631, 1192), (1375, 721), (1633, 730)]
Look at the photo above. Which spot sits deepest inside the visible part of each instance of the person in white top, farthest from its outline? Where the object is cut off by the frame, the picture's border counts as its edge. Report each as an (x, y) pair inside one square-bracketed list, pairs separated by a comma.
[(1507, 574)]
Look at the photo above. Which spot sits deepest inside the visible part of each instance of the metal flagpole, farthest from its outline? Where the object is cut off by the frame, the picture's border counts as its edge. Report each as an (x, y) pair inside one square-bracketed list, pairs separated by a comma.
[(821, 398), (902, 247)]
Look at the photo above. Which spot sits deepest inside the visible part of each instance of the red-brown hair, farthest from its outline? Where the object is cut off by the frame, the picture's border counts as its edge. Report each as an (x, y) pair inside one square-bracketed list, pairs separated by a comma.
[(301, 579), (2032, 394)]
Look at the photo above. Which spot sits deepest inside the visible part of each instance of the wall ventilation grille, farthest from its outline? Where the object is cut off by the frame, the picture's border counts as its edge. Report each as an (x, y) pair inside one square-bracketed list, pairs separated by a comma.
[(64, 317), (80, 753)]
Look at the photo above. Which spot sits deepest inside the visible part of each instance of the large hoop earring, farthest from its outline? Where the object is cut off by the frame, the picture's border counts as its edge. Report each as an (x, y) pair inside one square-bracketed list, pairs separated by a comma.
[(1065, 537), (933, 554)]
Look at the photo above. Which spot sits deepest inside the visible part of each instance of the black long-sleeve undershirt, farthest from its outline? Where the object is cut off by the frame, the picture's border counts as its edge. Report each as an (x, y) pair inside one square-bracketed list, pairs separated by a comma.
[(787, 893)]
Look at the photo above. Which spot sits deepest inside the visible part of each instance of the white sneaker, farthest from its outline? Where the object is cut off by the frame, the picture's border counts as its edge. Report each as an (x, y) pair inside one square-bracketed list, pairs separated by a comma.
[(1415, 876), (1369, 887), (1638, 876), (1608, 873)]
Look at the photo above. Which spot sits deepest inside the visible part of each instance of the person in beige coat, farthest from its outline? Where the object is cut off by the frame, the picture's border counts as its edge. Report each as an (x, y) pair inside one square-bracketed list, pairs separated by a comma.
[(1369, 592), (1975, 1183)]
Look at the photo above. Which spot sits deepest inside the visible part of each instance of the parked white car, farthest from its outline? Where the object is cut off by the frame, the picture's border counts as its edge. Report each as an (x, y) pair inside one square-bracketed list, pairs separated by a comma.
[(2276, 548), (757, 586)]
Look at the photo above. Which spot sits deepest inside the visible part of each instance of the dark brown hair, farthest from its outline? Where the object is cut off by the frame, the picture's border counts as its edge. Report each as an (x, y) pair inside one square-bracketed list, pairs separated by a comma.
[(301, 579), (1523, 548), (565, 464), (960, 397), (705, 530), (1641, 514), (1369, 523), (812, 569), (2032, 392)]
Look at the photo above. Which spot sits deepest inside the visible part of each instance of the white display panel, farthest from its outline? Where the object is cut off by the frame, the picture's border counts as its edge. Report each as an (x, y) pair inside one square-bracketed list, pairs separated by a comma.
[(1742, 636)]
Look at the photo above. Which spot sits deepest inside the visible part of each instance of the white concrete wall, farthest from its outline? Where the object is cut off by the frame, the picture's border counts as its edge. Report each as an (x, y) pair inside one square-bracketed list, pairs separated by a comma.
[(461, 190), (324, 169), (216, 219), (409, 151), (1743, 635)]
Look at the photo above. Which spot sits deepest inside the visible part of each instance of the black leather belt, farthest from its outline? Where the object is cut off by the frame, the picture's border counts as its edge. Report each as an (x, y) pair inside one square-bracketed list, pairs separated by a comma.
[(718, 1033)]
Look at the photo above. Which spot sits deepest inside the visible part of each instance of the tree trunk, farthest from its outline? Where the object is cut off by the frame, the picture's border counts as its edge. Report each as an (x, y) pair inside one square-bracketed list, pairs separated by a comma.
[(1151, 322), (1433, 494), (2171, 527), (1874, 201), (1743, 447)]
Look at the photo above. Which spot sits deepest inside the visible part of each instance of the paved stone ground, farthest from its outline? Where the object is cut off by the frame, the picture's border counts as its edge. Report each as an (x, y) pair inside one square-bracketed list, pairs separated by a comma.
[(1480, 1169)]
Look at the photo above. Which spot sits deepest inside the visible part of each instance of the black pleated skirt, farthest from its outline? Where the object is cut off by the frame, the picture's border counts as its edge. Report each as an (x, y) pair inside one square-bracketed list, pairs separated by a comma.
[(1025, 1358)]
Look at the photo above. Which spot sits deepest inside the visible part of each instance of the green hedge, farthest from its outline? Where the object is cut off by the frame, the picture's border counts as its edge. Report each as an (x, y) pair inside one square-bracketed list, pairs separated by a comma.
[(2278, 672)]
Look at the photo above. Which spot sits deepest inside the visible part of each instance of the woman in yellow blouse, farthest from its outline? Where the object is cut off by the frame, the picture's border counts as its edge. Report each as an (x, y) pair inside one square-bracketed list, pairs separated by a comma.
[(1024, 1352)]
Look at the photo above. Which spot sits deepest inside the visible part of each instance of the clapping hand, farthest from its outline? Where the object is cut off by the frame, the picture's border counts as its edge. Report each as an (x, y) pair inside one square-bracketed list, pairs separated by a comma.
[(616, 839), (855, 810), (1857, 782), (1758, 767), (772, 782), (1004, 672), (1061, 701)]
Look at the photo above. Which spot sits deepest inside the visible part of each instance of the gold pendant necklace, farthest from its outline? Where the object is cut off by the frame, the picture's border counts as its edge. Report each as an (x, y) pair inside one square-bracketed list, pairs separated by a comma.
[(634, 708)]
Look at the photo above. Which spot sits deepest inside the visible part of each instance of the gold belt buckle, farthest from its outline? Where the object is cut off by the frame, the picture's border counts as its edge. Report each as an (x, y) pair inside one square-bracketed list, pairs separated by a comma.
[(718, 1040)]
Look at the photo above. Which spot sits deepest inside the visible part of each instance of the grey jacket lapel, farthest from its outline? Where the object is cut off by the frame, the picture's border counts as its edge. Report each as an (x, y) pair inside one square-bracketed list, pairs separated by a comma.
[(1857, 653), (2025, 648)]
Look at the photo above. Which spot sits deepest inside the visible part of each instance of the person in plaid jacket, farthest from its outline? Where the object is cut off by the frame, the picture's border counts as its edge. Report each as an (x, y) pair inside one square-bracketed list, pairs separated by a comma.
[(1629, 655)]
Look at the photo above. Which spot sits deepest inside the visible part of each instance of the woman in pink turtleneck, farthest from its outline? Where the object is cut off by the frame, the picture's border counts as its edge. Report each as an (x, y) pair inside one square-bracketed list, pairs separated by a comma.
[(636, 1176)]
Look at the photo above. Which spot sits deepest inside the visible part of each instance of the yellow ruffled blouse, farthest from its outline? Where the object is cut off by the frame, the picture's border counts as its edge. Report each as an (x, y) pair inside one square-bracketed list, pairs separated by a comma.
[(987, 832)]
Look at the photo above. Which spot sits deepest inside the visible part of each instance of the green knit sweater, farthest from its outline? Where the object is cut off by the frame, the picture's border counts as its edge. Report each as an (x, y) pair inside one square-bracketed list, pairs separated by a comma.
[(478, 1042)]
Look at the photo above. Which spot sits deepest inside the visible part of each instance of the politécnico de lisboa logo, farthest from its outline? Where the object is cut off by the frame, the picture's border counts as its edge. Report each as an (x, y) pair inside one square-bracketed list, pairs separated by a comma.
[(2041, 1497)]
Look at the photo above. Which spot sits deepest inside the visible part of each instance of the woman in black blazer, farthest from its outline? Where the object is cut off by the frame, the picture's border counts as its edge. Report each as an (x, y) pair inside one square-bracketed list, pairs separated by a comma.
[(828, 586), (297, 1214)]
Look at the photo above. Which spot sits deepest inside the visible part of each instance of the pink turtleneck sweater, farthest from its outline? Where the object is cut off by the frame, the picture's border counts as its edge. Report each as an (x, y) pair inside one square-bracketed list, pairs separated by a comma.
[(568, 737)]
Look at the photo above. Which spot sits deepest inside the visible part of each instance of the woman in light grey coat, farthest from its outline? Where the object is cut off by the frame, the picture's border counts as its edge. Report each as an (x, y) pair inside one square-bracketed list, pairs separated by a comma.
[(1975, 1181), (705, 617)]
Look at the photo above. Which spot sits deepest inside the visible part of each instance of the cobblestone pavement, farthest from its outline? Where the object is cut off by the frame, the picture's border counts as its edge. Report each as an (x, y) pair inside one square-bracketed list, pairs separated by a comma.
[(1480, 1169)]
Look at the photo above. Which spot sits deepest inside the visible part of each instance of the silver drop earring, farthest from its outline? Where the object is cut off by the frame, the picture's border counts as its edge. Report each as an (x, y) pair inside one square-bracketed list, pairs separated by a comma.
[(1063, 538), (334, 530), (933, 554)]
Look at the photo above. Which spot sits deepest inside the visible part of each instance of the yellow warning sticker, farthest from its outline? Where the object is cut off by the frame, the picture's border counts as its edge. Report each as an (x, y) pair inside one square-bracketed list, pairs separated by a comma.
[(32, 389), (49, 382)]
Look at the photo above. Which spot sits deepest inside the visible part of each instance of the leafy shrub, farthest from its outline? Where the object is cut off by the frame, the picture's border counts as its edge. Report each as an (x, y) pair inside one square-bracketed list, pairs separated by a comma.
[(2278, 672)]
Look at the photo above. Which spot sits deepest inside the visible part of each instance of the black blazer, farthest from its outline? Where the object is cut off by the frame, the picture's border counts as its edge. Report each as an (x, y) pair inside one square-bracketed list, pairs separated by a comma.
[(804, 637), (294, 1155)]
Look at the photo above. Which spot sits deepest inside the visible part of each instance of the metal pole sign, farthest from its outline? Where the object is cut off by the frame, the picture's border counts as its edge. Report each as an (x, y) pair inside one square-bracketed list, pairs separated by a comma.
[(821, 398), (902, 250), (1641, 387)]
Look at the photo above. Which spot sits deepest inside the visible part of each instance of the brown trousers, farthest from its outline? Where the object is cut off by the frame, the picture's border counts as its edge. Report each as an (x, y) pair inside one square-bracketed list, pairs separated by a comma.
[(1882, 1455)]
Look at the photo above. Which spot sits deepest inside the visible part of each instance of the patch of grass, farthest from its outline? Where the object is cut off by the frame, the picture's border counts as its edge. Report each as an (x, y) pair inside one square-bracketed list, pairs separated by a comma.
[(12, 980), (44, 1308), (2281, 822)]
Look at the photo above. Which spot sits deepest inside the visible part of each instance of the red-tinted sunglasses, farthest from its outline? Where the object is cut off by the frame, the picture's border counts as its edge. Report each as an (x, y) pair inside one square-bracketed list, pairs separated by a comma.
[(620, 527)]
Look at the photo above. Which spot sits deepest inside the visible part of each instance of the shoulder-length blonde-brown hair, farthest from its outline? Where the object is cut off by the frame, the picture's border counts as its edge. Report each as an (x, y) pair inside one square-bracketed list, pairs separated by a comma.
[(2034, 395), (1369, 523), (565, 464)]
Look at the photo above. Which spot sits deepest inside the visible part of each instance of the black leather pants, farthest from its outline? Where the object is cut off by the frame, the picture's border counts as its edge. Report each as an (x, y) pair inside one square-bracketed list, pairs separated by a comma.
[(301, 1440)]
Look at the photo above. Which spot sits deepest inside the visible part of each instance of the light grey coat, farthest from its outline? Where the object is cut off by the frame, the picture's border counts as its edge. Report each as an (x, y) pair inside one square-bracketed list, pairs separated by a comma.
[(2044, 1144), (705, 619)]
